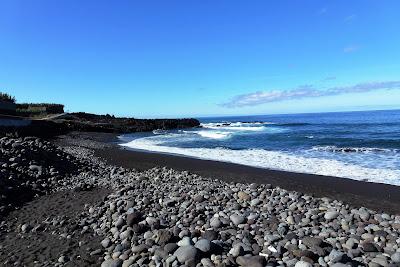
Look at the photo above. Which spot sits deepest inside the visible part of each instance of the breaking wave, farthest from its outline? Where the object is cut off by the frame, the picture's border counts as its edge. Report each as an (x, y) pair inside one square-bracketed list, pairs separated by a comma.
[(236, 126), (213, 134), (353, 149), (274, 160)]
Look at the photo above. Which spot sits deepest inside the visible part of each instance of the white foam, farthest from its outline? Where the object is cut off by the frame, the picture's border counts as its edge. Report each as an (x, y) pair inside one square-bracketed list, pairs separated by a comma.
[(159, 131), (226, 130), (354, 149), (236, 126), (275, 160), (213, 134)]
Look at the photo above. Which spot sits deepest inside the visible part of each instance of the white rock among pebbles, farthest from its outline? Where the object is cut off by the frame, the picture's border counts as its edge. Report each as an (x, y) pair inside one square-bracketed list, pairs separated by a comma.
[(331, 215), (237, 219), (185, 241), (106, 242), (25, 228), (303, 264), (112, 263), (62, 259)]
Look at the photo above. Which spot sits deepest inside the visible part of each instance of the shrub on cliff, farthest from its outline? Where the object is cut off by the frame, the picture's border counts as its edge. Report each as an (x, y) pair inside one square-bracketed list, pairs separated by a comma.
[(31, 109), (7, 98)]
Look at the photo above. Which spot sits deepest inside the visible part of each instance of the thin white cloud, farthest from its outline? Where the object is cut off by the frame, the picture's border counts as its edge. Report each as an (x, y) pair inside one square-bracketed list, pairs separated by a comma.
[(329, 78), (351, 48), (305, 91), (350, 18)]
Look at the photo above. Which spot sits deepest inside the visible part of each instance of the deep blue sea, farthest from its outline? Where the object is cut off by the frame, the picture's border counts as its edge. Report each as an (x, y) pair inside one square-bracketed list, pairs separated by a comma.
[(359, 145)]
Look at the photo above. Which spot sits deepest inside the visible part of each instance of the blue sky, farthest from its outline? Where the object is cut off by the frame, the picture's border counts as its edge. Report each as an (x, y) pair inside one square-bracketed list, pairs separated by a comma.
[(202, 58)]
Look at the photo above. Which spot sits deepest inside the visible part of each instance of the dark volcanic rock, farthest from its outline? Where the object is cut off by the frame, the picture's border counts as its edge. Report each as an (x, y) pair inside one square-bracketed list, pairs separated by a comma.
[(106, 123), (312, 241), (369, 247)]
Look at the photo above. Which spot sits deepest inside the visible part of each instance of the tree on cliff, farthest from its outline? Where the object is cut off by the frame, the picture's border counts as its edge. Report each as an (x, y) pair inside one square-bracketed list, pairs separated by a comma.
[(7, 98)]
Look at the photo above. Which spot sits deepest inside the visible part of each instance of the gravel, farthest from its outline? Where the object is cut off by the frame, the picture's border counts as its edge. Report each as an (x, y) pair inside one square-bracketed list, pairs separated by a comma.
[(164, 217)]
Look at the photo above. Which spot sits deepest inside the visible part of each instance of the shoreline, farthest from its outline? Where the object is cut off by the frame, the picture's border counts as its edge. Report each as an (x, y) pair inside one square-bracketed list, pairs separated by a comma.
[(376, 196)]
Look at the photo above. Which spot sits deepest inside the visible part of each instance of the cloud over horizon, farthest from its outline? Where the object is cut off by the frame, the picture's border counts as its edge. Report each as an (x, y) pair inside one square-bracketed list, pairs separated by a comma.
[(305, 91)]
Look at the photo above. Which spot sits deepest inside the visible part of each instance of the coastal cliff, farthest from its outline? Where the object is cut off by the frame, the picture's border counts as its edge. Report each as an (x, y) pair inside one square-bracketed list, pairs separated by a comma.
[(86, 122)]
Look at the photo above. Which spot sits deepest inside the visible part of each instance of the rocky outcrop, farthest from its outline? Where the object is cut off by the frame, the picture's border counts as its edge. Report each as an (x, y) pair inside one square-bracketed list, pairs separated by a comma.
[(107, 123), (26, 127), (86, 122)]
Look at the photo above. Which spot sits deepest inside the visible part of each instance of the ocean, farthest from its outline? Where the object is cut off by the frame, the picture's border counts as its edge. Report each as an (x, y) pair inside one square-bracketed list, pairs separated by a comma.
[(362, 145)]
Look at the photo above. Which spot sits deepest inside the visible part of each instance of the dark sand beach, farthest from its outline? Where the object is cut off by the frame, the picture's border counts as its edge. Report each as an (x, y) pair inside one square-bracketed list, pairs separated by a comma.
[(379, 197)]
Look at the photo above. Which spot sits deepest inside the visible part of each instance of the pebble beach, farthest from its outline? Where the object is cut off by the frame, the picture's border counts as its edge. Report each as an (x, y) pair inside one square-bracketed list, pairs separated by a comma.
[(80, 210), (199, 134)]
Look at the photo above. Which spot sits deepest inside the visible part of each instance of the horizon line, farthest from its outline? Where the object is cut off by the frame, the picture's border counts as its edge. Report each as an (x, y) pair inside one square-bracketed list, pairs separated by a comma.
[(301, 113)]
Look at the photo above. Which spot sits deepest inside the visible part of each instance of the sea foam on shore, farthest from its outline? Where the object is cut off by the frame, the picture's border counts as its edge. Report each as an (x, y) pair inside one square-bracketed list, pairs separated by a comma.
[(273, 160)]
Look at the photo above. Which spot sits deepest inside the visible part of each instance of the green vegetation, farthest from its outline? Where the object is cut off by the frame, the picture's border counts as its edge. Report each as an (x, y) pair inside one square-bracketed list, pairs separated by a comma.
[(39, 109), (44, 105), (7, 98), (27, 109)]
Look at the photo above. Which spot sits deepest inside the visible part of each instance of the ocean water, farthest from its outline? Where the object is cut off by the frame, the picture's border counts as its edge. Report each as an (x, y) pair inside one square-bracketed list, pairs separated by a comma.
[(357, 145)]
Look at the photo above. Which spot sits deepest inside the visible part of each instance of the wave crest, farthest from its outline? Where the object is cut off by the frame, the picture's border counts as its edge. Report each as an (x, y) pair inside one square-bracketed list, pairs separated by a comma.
[(236, 126), (352, 149), (213, 134), (274, 160)]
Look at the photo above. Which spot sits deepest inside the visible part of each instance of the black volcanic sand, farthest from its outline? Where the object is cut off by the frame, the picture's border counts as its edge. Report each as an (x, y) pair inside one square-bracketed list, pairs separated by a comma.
[(43, 246), (378, 197)]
